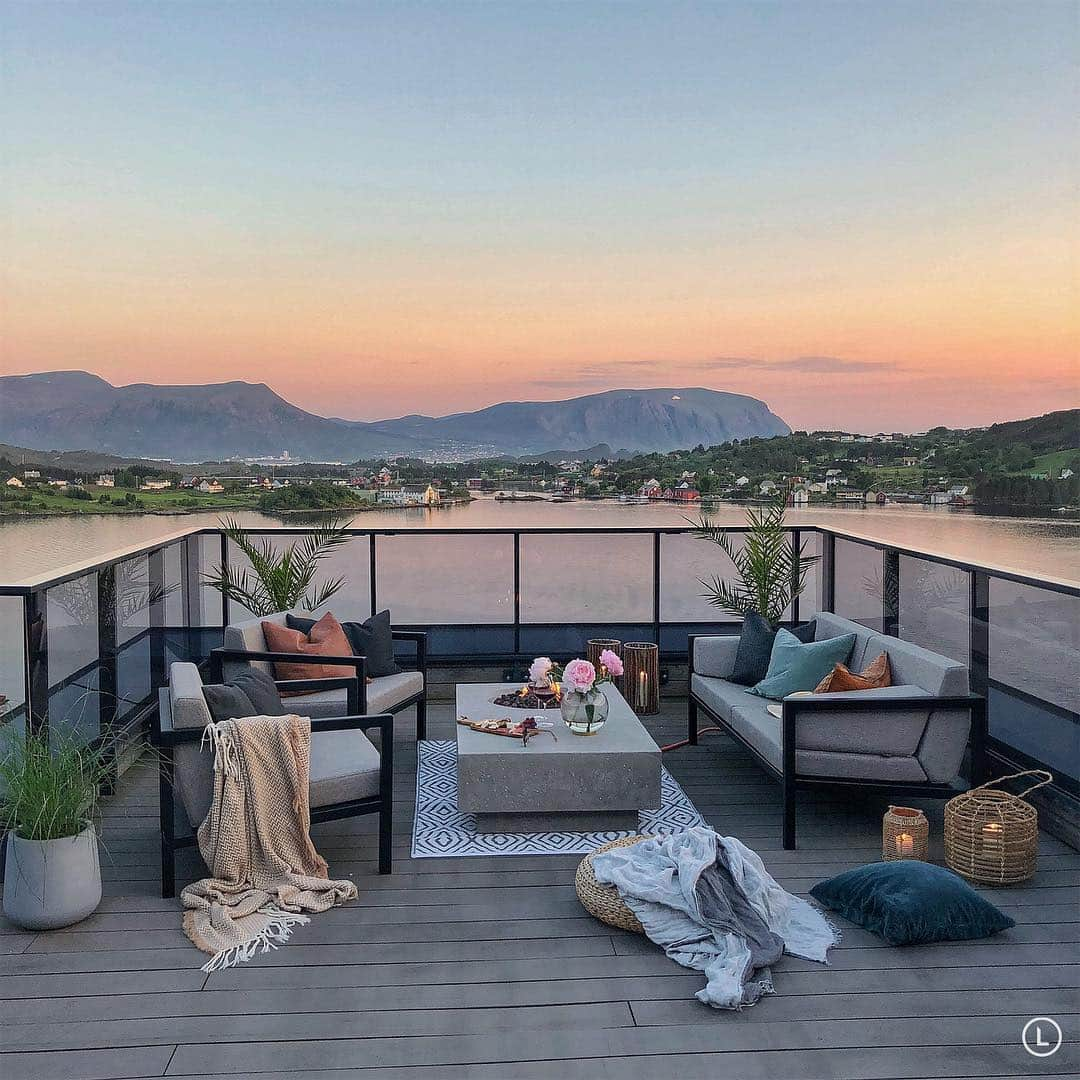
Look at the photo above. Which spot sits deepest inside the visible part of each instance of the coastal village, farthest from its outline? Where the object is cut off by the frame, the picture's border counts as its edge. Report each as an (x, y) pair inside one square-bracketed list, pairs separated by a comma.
[(937, 467)]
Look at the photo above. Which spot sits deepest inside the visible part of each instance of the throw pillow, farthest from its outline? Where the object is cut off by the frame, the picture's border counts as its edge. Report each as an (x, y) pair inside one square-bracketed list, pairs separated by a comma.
[(371, 639), (877, 674), (755, 648), (911, 903), (260, 690), (326, 638), (227, 703), (795, 665)]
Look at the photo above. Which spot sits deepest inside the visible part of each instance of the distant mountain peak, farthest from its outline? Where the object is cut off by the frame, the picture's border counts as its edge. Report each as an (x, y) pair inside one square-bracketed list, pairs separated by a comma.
[(61, 410)]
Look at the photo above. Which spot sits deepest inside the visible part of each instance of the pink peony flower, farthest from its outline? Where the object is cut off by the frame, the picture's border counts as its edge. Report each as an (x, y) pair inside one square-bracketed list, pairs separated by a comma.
[(579, 675), (611, 662), (538, 670)]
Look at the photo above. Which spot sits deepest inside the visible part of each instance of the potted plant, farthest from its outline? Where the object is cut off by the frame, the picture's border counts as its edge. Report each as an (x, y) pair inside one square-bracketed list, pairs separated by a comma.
[(52, 874), (279, 580), (771, 570), (583, 704)]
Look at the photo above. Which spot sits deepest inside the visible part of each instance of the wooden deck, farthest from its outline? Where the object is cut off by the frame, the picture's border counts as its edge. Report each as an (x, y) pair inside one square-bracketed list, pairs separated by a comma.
[(488, 968)]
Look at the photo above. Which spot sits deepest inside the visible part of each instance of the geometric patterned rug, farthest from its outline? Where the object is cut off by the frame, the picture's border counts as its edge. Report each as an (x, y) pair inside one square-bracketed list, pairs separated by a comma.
[(441, 830)]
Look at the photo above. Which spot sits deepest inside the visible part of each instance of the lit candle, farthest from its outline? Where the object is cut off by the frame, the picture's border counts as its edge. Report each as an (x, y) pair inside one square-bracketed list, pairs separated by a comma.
[(905, 845), (993, 837), (643, 690)]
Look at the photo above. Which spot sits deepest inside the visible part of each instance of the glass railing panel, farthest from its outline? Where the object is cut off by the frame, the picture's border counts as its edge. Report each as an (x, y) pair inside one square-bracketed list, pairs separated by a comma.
[(75, 709), (687, 561), (12, 670), (173, 558), (209, 599), (350, 561), (935, 606), (72, 619), (131, 598), (133, 676), (859, 583), (810, 597), (587, 577), (426, 578)]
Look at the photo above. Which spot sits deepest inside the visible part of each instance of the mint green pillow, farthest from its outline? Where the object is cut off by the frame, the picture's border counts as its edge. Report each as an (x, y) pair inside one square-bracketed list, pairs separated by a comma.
[(795, 666)]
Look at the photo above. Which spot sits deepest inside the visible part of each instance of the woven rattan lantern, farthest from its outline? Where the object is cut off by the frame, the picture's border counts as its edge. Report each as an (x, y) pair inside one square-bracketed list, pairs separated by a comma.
[(595, 646), (641, 676), (992, 836), (905, 834)]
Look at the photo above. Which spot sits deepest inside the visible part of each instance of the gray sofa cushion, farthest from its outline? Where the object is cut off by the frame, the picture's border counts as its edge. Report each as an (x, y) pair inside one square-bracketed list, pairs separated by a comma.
[(893, 734), (719, 695), (715, 655), (751, 719)]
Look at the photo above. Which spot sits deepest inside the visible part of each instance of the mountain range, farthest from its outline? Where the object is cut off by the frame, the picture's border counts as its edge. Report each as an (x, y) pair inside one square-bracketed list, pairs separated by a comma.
[(71, 410)]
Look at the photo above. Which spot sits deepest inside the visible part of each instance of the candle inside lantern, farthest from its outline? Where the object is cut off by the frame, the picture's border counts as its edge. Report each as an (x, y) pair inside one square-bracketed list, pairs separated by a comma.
[(993, 837), (643, 690), (905, 845)]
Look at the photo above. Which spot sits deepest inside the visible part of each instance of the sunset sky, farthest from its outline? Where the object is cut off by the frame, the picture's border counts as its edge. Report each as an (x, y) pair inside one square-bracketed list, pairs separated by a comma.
[(864, 214)]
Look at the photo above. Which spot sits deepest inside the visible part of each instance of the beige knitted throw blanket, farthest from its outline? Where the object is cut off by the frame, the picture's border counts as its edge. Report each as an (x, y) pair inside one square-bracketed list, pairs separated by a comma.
[(264, 870)]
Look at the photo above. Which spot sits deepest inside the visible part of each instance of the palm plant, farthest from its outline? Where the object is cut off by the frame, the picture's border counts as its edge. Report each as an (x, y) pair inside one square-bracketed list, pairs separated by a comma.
[(279, 580), (771, 571)]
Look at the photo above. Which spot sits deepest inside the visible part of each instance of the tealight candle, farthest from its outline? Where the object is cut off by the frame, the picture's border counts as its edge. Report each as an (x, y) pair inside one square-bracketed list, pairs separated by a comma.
[(993, 836), (905, 845)]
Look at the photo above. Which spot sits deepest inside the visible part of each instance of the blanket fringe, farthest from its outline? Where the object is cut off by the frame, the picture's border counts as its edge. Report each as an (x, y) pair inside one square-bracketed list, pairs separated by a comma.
[(276, 932), (226, 754)]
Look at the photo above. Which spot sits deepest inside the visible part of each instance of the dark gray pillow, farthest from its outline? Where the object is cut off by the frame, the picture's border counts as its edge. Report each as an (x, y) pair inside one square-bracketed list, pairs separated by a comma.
[(260, 690), (755, 648), (371, 639), (227, 703)]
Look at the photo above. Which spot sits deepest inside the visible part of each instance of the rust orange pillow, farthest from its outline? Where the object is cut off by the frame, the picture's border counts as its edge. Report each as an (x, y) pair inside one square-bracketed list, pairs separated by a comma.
[(840, 680), (326, 638)]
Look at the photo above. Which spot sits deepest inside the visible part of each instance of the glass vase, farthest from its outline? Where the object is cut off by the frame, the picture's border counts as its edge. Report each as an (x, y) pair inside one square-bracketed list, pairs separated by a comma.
[(584, 713)]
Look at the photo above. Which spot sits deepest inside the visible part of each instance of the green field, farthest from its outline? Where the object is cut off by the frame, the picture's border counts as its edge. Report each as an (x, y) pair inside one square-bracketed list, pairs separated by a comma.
[(48, 501), (1054, 462)]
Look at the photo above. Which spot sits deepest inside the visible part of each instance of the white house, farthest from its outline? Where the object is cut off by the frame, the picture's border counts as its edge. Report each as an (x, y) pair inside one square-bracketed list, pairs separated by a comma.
[(1065, 474), (800, 497), (155, 485), (742, 481), (106, 480), (767, 487), (817, 488), (209, 486), (31, 474), (58, 483), (957, 489), (15, 482)]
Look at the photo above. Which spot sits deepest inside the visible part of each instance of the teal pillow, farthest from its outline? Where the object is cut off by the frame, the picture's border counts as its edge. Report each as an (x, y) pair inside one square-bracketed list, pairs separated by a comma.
[(795, 666), (911, 903)]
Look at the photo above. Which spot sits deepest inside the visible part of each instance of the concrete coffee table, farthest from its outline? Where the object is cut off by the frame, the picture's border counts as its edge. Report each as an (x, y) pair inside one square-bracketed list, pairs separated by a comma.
[(572, 783)]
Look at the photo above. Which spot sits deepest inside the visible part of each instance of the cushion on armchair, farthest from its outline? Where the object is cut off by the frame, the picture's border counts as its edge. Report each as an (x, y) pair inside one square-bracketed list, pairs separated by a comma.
[(371, 639), (326, 638), (251, 693), (796, 666)]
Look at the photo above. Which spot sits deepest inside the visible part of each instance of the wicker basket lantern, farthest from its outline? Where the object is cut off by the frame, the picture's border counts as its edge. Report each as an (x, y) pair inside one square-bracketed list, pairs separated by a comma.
[(905, 834), (992, 836), (603, 901), (595, 646), (641, 676)]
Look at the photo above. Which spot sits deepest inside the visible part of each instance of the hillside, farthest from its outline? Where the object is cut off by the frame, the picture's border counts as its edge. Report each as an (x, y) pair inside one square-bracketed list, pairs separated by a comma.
[(1053, 431), (69, 410)]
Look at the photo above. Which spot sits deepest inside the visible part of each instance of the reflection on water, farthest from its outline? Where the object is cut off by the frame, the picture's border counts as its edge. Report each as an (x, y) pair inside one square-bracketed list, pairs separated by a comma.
[(1033, 545)]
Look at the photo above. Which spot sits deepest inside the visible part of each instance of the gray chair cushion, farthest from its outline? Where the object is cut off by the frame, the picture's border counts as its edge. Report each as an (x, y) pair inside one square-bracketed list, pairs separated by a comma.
[(382, 696), (260, 690), (227, 702), (859, 766), (751, 719), (344, 766)]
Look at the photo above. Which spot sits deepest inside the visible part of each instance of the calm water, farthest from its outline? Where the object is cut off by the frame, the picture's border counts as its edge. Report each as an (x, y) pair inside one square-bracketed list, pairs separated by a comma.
[(1035, 545)]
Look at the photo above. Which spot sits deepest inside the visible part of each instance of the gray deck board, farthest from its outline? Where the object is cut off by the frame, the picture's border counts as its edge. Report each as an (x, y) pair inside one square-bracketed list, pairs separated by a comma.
[(430, 973)]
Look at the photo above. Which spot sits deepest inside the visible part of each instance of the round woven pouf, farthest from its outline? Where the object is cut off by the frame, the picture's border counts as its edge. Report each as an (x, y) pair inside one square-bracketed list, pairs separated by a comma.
[(603, 901)]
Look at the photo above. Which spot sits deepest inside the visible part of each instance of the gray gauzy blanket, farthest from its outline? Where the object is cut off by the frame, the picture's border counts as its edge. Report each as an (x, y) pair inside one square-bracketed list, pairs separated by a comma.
[(709, 902)]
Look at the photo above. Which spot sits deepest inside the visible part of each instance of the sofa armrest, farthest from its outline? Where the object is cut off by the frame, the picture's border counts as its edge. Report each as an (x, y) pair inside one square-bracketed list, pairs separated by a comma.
[(713, 655), (933, 728)]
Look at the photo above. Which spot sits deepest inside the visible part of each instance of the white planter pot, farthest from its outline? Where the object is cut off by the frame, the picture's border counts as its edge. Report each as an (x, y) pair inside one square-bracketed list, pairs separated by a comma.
[(51, 883)]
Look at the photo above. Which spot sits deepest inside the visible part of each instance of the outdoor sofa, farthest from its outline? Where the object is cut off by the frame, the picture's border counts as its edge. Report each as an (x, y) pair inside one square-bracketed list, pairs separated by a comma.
[(908, 738)]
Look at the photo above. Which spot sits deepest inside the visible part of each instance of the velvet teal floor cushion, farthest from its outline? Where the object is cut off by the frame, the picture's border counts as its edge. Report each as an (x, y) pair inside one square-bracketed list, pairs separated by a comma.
[(911, 903), (795, 665)]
